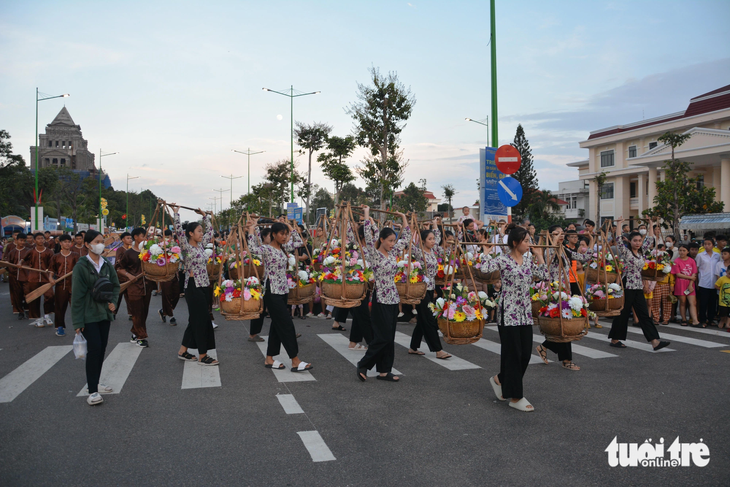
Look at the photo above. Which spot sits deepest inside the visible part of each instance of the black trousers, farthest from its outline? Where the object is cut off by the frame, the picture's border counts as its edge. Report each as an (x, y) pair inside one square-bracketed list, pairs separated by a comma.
[(426, 326), (282, 330), (97, 337), (362, 326), (258, 323), (199, 332), (706, 304), (633, 298), (564, 350), (340, 315), (516, 350), (381, 351)]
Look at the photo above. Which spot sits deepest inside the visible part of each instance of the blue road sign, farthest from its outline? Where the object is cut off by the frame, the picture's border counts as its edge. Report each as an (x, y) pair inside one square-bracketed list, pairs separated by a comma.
[(510, 191)]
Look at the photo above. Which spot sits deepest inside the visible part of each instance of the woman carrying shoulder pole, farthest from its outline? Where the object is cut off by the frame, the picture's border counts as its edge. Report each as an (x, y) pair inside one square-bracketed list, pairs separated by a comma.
[(382, 257), (93, 314), (276, 290), (514, 315), (199, 332), (634, 290)]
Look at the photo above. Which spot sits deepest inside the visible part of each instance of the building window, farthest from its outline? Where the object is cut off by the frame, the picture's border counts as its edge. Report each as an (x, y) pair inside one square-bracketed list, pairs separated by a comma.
[(46, 161), (652, 145), (70, 144), (607, 191), (632, 151), (55, 161), (574, 202), (63, 162), (700, 182), (63, 144), (50, 143), (647, 188), (632, 189), (56, 143), (607, 158)]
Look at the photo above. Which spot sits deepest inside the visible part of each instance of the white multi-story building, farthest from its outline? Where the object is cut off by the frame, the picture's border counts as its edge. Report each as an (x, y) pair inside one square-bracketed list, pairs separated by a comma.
[(632, 157), (574, 199)]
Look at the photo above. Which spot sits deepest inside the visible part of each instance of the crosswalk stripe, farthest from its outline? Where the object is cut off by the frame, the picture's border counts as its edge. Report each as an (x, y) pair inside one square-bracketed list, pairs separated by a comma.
[(684, 339), (13, 384), (315, 445), (117, 367), (706, 331), (285, 375), (577, 349), (290, 405), (497, 348), (452, 363), (340, 344), (196, 376), (646, 347)]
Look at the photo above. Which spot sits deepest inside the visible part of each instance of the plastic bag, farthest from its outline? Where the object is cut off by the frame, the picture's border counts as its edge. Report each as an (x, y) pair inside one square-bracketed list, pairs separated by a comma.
[(80, 346)]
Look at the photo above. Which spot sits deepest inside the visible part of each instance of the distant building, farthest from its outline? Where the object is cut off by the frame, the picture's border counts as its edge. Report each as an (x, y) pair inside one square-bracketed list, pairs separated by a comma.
[(433, 201), (574, 198), (632, 157)]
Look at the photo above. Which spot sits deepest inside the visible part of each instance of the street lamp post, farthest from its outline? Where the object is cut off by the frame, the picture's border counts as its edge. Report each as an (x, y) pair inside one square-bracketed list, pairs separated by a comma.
[(127, 212), (101, 225), (37, 93), (484, 122), (249, 154), (291, 95)]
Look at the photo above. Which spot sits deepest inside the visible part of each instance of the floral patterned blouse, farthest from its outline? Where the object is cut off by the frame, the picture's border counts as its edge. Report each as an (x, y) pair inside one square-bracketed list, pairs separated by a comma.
[(275, 261), (552, 258), (633, 264), (193, 257), (430, 259), (515, 308), (385, 267)]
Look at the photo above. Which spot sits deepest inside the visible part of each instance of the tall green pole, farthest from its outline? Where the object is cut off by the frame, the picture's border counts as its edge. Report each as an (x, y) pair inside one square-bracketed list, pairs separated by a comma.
[(292, 144), (493, 40), (35, 225), (100, 220)]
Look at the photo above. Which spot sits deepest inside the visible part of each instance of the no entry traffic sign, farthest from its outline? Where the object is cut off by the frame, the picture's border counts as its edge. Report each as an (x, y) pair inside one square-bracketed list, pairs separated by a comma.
[(508, 159), (509, 191)]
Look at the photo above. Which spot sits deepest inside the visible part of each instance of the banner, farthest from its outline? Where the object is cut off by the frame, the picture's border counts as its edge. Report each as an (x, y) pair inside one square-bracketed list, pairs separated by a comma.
[(491, 208)]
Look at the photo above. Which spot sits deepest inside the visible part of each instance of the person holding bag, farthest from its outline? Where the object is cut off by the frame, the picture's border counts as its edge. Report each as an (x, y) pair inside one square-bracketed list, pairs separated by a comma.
[(95, 291)]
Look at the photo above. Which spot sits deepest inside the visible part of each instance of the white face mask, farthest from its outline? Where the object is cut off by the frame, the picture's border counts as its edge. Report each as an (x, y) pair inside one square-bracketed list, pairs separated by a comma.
[(670, 245), (642, 231), (97, 248)]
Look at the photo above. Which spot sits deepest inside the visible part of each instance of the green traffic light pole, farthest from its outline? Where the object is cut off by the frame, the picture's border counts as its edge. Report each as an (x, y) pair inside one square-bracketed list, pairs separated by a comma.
[(37, 93), (493, 44), (126, 222), (101, 217), (291, 95), (249, 154), (484, 122)]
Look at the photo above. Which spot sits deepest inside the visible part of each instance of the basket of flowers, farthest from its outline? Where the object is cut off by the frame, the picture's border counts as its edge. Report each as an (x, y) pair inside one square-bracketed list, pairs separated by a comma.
[(248, 268), (446, 270), (657, 264), (460, 315), (486, 278), (605, 299), (240, 300), (604, 268), (538, 294), (410, 281), (213, 265), (301, 287), (159, 264), (347, 292), (563, 318)]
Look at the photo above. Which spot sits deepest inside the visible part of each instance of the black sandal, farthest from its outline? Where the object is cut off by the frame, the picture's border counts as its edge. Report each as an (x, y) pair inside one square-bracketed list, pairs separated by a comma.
[(362, 374), (339, 328), (208, 360), (389, 377), (684, 323), (618, 345), (186, 356)]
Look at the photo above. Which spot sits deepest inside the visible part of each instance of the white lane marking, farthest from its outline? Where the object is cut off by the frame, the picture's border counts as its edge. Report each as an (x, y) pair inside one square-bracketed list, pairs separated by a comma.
[(285, 375), (117, 367), (682, 339), (581, 350), (497, 348), (316, 446), (13, 384), (647, 347), (453, 363), (340, 344), (196, 376), (707, 331), (290, 405)]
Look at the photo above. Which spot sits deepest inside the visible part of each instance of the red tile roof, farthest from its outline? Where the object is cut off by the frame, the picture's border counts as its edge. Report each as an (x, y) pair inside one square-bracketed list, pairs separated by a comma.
[(711, 101), (428, 194)]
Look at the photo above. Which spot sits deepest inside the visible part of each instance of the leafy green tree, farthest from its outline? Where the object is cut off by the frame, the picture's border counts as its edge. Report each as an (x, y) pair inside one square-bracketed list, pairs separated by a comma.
[(526, 175), (380, 114), (322, 199), (680, 194), (600, 181), (333, 165), (412, 199), (449, 193), (353, 194), (311, 138)]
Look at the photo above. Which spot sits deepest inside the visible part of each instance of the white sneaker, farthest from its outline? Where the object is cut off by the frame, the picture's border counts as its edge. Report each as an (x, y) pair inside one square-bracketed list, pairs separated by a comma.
[(400, 315), (39, 323), (102, 388), (214, 325), (48, 320), (94, 399), (414, 311)]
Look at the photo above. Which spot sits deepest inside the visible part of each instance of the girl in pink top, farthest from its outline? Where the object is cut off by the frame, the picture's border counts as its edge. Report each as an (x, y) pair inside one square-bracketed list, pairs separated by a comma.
[(685, 271)]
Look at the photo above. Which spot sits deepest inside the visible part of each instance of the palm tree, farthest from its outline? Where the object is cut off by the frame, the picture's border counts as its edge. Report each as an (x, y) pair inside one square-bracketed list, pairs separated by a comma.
[(449, 193), (544, 205)]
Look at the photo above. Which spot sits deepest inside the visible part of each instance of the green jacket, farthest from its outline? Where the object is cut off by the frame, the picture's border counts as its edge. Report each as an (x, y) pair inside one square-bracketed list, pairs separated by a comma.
[(83, 307)]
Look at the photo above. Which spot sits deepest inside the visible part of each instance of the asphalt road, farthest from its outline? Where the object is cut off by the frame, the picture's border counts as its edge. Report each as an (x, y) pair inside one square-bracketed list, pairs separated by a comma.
[(436, 427)]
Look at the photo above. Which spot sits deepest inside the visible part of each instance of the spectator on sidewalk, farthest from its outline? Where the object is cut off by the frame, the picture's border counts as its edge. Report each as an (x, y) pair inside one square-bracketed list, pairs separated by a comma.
[(706, 294)]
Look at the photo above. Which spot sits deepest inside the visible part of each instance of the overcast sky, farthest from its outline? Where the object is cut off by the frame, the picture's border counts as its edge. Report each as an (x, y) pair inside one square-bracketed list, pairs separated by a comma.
[(174, 86)]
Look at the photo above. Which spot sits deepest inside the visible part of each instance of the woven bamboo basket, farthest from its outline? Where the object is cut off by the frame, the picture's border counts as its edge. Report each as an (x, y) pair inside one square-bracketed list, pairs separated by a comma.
[(416, 294), (557, 330), (536, 305), (158, 273), (238, 310), (233, 273), (214, 271), (248, 271), (601, 305), (354, 294), (301, 295), (461, 333), (486, 278), (317, 266), (652, 275), (595, 276)]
